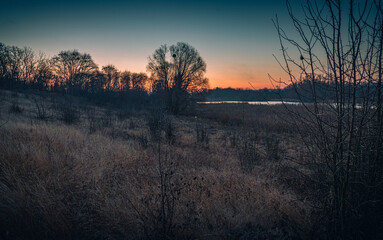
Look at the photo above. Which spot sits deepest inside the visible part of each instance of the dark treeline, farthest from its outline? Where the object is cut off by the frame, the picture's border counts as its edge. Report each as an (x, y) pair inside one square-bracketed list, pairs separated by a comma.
[(288, 93), (298, 91), (75, 73), (231, 94), (70, 72)]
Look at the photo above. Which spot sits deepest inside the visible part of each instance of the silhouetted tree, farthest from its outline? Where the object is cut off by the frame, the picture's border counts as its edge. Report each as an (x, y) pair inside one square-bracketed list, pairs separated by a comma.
[(17, 66), (4, 66), (28, 65), (11, 58), (43, 76), (73, 68), (125, 80), (112, 77), (138, 81), (95, 82), (342, 42), (176, 71)]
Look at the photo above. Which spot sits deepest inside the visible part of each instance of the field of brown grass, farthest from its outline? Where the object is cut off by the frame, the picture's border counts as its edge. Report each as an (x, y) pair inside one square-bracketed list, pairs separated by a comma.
[(79, 171)]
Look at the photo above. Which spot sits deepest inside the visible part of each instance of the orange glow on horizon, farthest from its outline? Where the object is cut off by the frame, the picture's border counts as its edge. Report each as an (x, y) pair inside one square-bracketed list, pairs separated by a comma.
[(239, 82), (219, 76)]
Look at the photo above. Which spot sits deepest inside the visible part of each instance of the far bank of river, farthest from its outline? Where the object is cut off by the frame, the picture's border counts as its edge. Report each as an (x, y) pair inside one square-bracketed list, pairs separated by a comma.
[(253, 102)]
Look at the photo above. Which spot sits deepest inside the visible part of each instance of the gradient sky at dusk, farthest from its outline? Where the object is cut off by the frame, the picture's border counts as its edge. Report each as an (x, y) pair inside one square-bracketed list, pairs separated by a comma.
[(236, 38)]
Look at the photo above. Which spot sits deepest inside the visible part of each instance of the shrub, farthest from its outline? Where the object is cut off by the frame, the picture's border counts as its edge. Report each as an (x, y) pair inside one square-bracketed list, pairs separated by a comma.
[(107, 120), (248, 153), (42, 110), (273, 148), (93, 121), (155, 124), (132, 124), (142, 140), (69, 114), (15, 108), (169, 131), (202, 135)]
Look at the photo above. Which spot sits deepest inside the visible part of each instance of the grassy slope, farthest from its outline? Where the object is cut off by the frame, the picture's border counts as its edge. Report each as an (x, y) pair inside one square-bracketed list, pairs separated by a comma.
[(100, 176)]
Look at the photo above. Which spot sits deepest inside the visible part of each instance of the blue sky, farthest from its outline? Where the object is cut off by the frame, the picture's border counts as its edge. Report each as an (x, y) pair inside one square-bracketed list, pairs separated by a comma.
[(236, 38)]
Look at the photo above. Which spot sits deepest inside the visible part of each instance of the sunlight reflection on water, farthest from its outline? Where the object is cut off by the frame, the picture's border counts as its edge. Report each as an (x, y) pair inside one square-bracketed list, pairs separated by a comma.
[(330, 104), (253, 102)]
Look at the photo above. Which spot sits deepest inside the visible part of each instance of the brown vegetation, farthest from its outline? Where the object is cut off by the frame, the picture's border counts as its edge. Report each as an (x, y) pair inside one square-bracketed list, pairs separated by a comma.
[(105, 176)]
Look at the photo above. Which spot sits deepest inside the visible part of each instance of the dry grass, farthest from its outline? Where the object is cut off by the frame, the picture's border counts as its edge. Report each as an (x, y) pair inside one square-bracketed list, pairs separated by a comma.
[(60, 181)]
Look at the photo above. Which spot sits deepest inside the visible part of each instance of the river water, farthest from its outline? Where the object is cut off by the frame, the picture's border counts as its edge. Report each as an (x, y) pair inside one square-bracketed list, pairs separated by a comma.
[(253, 102)]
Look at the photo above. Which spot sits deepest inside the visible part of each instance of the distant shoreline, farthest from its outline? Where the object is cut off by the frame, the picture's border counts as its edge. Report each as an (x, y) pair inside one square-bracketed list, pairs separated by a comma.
[(272, 102)]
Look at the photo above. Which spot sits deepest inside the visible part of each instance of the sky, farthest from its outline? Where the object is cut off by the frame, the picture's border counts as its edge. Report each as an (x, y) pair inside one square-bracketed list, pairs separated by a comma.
[(236, 39)]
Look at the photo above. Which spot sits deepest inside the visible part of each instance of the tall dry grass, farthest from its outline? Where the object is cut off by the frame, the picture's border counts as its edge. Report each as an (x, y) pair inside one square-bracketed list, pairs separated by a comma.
[(62, 181)]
